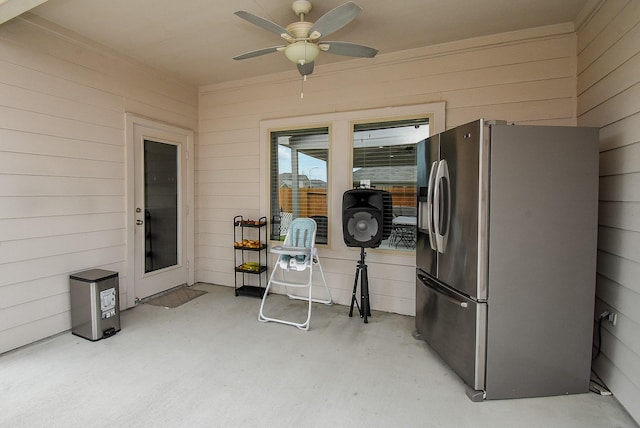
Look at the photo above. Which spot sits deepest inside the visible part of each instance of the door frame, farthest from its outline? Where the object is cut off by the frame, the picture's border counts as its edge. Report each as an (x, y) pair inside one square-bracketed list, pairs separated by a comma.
[(131, 122)]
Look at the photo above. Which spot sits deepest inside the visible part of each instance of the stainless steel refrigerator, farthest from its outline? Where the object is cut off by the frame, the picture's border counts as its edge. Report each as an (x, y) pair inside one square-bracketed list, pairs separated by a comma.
[(506, 256)]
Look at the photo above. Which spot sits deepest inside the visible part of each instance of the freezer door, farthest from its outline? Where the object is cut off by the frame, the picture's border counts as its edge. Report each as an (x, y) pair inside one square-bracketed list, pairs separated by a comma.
[(427, 156), (463, 263), (454, 326)]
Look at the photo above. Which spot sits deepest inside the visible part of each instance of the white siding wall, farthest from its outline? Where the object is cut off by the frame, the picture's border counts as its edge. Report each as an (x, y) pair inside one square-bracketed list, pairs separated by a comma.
[(524, 77), (62, 167), (609, 97)]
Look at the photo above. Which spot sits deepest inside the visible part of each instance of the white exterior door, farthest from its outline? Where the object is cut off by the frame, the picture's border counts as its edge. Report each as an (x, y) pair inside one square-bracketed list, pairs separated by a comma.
[(162, 225)]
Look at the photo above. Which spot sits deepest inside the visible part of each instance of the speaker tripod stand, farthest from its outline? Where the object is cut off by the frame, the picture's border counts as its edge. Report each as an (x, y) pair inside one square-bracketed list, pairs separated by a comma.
[(361, 272)]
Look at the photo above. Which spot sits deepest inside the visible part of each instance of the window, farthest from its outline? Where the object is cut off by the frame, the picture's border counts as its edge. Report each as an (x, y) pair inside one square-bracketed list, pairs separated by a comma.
[(289, 144), (299, 179), (384, 158)]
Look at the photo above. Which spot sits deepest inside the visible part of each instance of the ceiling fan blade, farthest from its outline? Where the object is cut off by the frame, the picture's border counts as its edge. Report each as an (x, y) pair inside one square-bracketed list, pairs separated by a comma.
[(263, 23), (259, 52), (305, 69), (334, 20), (348, 49)]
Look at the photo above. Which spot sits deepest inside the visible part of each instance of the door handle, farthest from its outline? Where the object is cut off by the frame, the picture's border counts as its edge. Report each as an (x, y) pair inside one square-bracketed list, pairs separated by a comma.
[(442, 205), (139, 222), (430, 193), (442, 292)]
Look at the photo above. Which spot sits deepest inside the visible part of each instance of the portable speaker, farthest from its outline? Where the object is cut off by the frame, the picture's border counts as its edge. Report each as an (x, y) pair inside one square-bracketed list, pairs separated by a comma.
[(366, 217)]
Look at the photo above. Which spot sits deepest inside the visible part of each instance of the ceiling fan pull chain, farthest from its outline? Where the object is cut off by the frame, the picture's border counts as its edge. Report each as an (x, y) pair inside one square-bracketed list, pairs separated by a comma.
[(304, 79)]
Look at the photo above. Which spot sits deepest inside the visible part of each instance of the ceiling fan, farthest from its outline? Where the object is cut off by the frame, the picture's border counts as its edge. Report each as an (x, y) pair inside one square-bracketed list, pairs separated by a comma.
[(303, 38)]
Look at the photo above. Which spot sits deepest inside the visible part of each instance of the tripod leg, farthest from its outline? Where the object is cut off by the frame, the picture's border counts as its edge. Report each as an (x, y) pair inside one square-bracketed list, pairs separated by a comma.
[(353, 294), (364, 288)]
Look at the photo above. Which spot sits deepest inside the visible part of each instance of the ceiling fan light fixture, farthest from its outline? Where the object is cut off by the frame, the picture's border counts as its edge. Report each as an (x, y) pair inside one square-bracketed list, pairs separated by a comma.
[(302, 52), (304, 39)]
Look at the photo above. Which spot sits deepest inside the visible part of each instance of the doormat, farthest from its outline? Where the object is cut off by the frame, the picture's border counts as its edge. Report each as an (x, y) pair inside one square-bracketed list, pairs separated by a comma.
[(175, 298)]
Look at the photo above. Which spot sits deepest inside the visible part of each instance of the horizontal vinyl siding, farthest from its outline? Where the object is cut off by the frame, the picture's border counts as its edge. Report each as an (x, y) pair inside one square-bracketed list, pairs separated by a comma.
[(609, 97), (526, 77), (63, 167)]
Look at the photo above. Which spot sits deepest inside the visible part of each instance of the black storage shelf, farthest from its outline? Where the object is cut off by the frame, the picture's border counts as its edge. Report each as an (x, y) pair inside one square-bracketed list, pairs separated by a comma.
[(255, 272), (262, 222), (260, 248), (250, 290), (250, 281)]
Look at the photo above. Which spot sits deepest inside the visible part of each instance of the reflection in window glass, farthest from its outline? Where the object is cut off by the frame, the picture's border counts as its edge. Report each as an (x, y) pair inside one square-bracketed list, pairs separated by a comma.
[(160, 205), (299, 179), (384, 158)]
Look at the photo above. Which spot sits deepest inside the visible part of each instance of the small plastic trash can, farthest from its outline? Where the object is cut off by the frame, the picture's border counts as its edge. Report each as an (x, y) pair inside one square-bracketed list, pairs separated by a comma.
[(95, 309)]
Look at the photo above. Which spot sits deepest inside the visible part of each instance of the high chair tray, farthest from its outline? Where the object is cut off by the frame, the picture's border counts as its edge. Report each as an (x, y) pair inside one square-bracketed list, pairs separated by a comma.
[(292, 251)]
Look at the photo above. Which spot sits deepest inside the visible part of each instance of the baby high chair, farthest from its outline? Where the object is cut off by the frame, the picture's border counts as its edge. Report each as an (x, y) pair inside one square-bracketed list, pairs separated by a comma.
[(294, 268)]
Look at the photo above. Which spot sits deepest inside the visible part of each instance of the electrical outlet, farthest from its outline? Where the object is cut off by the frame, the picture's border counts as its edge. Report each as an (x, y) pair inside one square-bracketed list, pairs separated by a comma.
[(612, 317)]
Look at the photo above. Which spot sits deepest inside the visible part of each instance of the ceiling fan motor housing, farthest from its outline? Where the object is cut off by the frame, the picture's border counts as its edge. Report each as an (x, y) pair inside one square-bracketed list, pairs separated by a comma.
[(301, 51), (299, 29)]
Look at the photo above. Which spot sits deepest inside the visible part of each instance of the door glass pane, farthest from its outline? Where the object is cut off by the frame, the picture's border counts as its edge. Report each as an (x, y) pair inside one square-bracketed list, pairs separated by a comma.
[(299, 180), (384, 158), (161, 205)]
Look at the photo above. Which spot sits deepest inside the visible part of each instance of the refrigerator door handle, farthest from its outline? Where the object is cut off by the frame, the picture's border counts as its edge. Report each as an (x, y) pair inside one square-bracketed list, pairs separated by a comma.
[(442, 205), (442, 292), (430, 192)]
